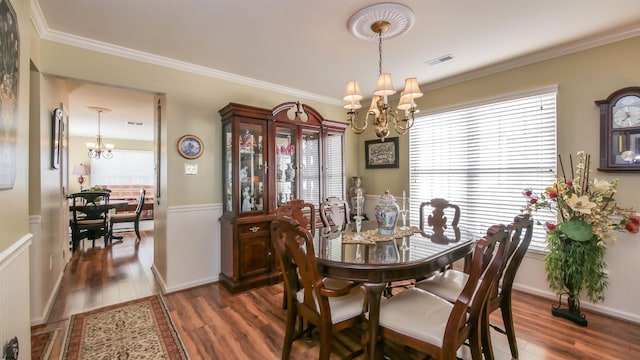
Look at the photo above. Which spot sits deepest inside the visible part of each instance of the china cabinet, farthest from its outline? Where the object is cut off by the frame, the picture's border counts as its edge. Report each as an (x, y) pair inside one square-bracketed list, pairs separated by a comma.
[(271, 156)]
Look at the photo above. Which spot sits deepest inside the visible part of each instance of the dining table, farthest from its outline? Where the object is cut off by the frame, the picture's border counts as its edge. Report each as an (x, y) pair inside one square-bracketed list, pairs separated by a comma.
[(376, 260)]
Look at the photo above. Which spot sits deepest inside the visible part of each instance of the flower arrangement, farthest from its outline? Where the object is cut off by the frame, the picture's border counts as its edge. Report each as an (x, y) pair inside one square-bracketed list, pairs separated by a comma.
[(588, 217)]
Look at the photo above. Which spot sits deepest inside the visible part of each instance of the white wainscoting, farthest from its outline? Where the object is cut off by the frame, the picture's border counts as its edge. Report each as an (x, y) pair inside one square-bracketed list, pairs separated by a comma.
[(14, 297), (193, 247)]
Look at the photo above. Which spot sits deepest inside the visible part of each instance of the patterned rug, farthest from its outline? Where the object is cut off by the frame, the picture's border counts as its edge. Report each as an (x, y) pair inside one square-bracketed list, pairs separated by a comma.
[(138, 329), (42, 343)]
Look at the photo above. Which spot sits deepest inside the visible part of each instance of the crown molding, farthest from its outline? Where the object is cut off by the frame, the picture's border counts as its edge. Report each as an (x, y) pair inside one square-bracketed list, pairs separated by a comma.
[(547, 54)]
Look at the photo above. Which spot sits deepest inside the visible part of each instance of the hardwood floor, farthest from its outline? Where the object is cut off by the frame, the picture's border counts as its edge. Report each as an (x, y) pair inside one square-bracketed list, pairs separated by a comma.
[(216, 325)]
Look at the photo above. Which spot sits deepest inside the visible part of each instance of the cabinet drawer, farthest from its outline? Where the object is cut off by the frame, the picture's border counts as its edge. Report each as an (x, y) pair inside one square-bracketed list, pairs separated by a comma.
[(254, 228)]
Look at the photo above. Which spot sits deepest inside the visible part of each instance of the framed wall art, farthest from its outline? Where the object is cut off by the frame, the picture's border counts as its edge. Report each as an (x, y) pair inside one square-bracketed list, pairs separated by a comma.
[(381, 154), (9, 80)]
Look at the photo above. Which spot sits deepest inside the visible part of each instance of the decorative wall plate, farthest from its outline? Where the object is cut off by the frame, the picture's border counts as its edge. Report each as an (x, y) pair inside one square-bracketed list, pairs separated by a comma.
[(190, 147)]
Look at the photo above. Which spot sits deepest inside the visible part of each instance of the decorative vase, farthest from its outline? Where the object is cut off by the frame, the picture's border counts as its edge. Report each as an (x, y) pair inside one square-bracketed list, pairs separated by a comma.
[(290, 172), (387, 214), (572, 266)]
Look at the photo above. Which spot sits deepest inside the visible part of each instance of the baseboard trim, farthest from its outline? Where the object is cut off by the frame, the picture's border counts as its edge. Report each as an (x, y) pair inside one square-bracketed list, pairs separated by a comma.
[(166, 290), (604, 310)]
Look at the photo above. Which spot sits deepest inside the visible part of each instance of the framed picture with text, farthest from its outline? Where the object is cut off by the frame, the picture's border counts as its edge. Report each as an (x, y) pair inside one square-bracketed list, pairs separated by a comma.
[(381, 154)]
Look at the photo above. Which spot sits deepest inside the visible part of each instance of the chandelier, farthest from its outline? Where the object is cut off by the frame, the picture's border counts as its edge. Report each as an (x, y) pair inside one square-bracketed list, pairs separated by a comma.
[(394, 20), (98, 149)]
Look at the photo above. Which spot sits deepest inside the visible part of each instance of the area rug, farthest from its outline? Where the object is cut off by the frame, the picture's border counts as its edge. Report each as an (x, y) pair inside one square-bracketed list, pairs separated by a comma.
[(138, 329), (42, 343)]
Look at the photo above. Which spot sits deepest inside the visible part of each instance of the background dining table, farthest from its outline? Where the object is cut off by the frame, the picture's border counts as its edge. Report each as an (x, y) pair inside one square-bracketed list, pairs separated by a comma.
[(376, 260)]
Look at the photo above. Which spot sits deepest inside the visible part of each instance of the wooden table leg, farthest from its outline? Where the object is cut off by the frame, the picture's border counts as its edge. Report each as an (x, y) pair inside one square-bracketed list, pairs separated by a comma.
[(374, 293)]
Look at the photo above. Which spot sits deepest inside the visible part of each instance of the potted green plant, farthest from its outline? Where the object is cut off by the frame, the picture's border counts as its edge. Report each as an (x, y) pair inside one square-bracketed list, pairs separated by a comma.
[(588, 217)]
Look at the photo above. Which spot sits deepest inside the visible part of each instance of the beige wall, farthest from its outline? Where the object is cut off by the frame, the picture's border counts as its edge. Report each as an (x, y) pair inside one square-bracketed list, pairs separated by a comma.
[(49, 250)]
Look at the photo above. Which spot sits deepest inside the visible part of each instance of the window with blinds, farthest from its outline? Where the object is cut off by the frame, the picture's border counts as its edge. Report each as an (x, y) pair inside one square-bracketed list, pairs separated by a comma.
[(334, 170), (127, 167), (481, 157)]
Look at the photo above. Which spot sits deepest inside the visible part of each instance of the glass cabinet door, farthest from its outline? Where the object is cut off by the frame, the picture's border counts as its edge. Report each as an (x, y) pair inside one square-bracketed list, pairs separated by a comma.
[(310, 167), (252, 195), (227, 167), (286, 165), (334, 174)]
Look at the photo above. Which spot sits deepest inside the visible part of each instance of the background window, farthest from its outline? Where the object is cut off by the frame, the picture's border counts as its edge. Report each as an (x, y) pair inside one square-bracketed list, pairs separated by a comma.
[(482, 156), (127, 167)]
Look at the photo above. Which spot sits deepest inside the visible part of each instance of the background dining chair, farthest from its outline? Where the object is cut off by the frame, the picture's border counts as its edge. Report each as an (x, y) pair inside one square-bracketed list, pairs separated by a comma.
[(437, 211), (89, 217), (335, 213), (330, 310), (435, 214), (133, 218), (450, 283), (430, 324)]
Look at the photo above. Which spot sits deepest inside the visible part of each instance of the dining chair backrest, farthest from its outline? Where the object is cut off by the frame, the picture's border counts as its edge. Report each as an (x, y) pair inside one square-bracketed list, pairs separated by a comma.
[(335, 212), (441, 210), (90, 204), (141, 199), (468, 308), (303, 212), (520, 234)]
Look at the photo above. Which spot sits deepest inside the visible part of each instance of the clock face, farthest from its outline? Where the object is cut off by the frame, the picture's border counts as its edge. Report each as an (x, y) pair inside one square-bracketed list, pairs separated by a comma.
[(626, 112)]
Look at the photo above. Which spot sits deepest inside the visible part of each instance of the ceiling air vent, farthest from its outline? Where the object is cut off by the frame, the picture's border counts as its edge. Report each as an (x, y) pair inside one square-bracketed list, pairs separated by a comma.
[(439, 60), (134, 123)]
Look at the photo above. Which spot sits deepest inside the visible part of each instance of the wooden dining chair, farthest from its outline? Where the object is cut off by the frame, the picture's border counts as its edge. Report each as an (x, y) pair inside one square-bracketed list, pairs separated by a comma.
[(89, 217), (428, 323), (303, 212), (329, 310), (133, 218), (335, 213), (435, 212), (450, 283)]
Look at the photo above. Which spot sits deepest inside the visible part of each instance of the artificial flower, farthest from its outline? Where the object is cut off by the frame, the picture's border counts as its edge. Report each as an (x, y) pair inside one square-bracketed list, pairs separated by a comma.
[(603, 186), (581, 204)]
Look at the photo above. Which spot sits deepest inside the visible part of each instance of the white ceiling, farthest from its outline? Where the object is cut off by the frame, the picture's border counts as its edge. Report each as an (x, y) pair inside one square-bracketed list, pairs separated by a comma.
[(303, 47)]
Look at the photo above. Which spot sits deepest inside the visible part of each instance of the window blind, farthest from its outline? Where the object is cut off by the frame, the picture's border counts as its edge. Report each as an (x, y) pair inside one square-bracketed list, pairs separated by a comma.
[(311, 168), (334, 171), (125, 168), (482, 156)]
